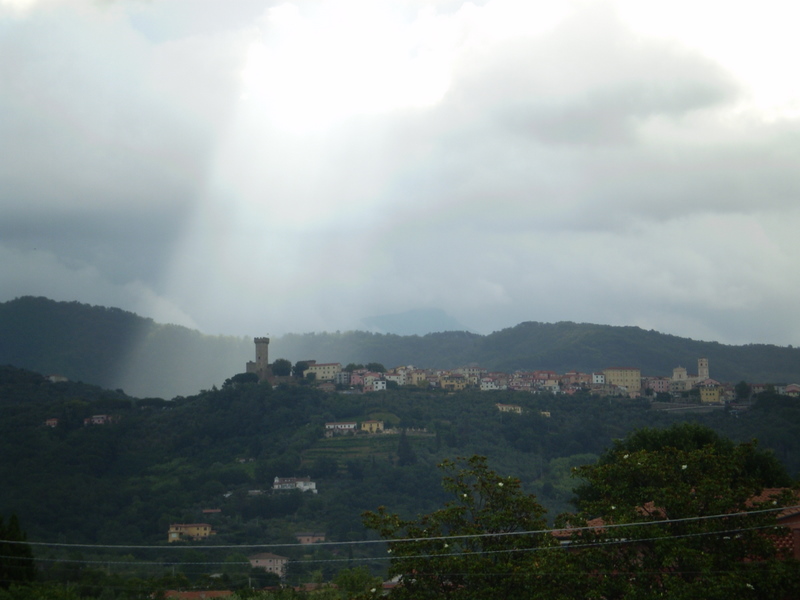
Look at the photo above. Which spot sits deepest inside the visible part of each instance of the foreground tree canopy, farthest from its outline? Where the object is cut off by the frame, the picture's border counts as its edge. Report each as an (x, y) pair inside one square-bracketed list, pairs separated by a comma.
[(681, 524), (677, 513), (476, 546)]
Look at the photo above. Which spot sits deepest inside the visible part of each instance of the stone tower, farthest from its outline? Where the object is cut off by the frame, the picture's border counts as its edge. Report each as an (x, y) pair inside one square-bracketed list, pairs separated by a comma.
[(702, 369), (261, 365)]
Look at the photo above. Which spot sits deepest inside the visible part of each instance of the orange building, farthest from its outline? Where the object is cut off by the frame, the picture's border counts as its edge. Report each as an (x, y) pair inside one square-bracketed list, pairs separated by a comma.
[(192, 531)]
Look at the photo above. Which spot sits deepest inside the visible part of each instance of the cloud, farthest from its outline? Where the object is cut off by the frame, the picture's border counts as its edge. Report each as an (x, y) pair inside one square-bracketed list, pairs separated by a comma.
[(41, 273), (276, 166)]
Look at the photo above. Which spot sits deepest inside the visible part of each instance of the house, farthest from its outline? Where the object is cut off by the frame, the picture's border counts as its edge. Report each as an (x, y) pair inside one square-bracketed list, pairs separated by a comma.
[(372, 426), (272, 563), (453, 382), (192, 531), (304, 484), (378, 385), (309, 537), (659, 385), (399, 378), (575, 378), (340, 427), (509, 408), (51, 422), (787, 541), (490, 384), (417, 377), (710, 392), (792, 390)]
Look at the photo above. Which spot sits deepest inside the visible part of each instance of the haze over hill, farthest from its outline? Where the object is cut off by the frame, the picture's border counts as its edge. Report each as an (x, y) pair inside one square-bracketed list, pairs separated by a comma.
[(414, 322), (118, 349)]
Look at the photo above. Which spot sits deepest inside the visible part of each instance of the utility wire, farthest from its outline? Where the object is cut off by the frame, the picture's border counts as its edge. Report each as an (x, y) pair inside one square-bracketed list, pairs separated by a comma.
[(563, 530), (561, 546)]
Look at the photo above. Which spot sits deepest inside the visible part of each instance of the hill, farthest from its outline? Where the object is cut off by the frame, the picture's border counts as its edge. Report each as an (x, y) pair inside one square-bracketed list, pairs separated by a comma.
[(560, 347), (156, 462), (115, 349), (120, 350)]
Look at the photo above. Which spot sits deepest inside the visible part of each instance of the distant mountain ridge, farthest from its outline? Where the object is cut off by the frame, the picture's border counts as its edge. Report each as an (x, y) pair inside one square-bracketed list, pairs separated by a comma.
[(115, 349), (118, 349), (561, 347)]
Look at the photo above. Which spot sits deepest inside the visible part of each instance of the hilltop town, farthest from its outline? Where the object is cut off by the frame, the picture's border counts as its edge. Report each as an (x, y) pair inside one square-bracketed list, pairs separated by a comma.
[(611, 381)]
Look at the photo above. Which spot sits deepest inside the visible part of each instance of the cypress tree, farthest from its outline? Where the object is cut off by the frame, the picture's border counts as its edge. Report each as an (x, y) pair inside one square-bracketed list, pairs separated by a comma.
[(16, 559)]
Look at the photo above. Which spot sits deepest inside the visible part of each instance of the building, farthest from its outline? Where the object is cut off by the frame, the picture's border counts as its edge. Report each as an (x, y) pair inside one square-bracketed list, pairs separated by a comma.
[(702, 369), (378, 385), (271, 563), (372, 426), (491, 384), (792, 390), (340, 427), (658, 385), (191, 531), (100, 420), (417, 377), (453, 382), (509, 408), (683, 382), (398, 378), (324, 371), (304, 484), (309, 537), (710, 392), (342, 378), (627, 378), (196, 594), (261, 365)]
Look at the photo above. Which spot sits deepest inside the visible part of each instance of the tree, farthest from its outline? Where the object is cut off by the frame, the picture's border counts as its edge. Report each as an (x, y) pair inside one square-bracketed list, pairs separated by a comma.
[(357, 580), (240, 379), (376, 367), (16, 557), (324, 466), (759, 464), (479, 545), (691, 525), (281, 367), (742, 390), (299, 369), (405, 453)]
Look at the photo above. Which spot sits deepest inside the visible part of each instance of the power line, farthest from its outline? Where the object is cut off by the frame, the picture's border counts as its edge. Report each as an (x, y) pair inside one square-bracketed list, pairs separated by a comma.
[(560, 546), (413, 539)]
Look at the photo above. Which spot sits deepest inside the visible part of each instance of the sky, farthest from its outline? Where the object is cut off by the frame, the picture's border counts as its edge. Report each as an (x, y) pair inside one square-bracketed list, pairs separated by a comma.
[(264, 167)]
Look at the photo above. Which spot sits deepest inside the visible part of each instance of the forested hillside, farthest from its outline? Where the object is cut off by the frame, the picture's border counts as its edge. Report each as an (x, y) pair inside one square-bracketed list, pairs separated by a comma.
[(165, 461), (560, 347), (115, 349)]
